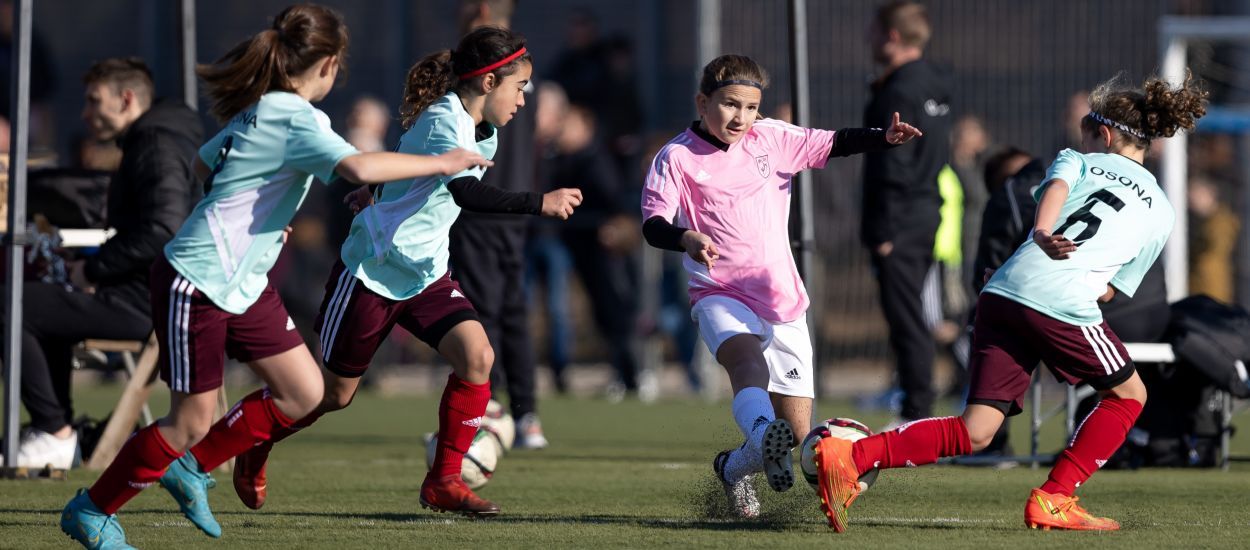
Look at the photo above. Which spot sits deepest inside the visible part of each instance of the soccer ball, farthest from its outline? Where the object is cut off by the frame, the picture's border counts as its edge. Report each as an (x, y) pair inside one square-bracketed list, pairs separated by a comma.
[(845, 428), (500, 424), (479, 463)]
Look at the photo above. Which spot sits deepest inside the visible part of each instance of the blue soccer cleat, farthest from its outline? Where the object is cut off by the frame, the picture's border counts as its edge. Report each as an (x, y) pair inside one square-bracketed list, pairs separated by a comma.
[(85, 523), (189, 486)]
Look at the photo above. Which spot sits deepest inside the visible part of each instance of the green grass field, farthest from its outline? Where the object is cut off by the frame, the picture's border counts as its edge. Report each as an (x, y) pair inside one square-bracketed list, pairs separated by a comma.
[(628, 475)]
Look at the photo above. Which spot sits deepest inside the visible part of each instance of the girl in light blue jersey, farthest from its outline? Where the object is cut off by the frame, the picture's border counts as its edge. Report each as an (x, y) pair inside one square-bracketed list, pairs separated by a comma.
[(394, 270), (211, 294), (1101, 222)]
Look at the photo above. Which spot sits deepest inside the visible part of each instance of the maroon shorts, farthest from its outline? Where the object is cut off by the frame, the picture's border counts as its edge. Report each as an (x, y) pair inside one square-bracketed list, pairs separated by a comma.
[(1009, 339), (355, 320), (195, 335)]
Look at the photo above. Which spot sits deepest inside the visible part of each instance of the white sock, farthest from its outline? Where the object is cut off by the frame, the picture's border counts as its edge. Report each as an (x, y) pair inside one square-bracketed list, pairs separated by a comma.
[(742, 463), (753, 411)]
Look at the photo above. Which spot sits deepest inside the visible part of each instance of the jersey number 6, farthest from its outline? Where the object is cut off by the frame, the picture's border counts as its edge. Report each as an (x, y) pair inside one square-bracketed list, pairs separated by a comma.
[(1086, 214)]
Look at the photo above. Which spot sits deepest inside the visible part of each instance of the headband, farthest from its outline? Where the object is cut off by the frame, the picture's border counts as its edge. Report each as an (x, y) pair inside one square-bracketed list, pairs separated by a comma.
[(1117, 125), (722, 83), (493, 66)]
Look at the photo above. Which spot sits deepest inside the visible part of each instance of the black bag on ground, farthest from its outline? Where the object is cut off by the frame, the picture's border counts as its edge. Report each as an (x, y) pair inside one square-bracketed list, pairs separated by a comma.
[(1214, 339)]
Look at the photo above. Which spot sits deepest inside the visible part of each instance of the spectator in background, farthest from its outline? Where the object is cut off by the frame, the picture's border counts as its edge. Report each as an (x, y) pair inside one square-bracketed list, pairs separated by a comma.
[(149, 198), (601, 238), (43, 81), (1075, 110), (367, 124), (487, 252), (600, 74), (969, 142), (547, 259), (1212, 240), (901, 199)]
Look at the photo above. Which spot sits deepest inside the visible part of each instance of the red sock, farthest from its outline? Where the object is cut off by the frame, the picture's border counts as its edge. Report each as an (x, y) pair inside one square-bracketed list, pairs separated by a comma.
[(251, 421), (141, 461), (913, 444), (1097, 438), (283, 432), (459, 416)]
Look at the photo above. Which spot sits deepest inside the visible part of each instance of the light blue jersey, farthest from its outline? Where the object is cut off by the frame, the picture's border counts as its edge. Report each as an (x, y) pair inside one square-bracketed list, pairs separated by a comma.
[(263, 161), (1119, 219), (398, 245)]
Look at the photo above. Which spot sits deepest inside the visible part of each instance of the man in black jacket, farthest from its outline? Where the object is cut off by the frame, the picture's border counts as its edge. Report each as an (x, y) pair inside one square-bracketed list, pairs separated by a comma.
[(149, 197), (488, 253), (901, 201)]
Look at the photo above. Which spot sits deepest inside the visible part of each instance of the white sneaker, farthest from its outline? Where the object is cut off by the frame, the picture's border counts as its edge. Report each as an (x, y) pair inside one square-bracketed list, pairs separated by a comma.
[(743, 500), (530, 433), (39, 448)]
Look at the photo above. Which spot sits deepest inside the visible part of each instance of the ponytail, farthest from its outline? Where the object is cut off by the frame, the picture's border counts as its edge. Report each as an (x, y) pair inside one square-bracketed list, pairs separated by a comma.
[(428, 80), (485, 50), (301, 36)]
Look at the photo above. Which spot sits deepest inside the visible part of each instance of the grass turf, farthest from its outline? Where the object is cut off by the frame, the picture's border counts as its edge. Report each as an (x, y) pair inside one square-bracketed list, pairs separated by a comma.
[(627, 475)]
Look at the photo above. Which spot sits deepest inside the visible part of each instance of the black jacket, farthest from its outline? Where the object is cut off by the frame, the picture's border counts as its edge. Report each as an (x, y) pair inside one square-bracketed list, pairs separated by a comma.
[(149, 198), (900, 184)]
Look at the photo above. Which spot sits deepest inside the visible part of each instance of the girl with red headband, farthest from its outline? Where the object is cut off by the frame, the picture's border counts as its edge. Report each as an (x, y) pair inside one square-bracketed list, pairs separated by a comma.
[(393, 267)]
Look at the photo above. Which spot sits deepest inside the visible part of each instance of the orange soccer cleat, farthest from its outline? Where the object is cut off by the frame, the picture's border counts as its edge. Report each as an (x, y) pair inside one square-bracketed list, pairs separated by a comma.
[(1047, 511), (249, 475), (450, 494), (838, 480)]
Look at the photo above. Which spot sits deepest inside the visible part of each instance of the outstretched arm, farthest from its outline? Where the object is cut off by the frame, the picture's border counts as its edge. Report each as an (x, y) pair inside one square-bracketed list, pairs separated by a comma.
[(853, 141), (368, 168)]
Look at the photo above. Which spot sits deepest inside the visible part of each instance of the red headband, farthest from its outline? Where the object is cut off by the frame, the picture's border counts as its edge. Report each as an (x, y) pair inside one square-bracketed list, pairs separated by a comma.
[(495, 65)]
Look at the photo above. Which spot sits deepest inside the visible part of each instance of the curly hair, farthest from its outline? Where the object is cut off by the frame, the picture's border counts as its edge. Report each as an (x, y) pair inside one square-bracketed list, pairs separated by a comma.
[(1156, 109)]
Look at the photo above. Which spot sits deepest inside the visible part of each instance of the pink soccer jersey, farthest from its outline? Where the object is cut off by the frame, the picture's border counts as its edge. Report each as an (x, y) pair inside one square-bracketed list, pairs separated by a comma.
[(740, 197)]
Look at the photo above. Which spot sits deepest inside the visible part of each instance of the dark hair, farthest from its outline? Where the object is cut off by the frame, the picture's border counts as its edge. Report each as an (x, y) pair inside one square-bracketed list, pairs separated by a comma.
[(440, 72), (301, 36), (731, 67), (910, 19), (996, 166), (1156, 109), (123, 73)]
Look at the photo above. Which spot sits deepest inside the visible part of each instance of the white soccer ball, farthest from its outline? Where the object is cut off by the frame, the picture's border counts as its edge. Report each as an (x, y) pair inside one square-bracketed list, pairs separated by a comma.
[(844, 428), (479, 463), (500, 424)]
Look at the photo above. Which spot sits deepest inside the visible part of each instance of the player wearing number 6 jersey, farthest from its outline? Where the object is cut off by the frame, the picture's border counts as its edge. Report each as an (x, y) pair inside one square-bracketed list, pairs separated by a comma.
[(1101, 222), (210, 292)]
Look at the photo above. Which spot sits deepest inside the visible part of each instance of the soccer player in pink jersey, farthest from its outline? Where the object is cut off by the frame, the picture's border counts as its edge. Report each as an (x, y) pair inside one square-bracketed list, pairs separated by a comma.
[(720, 192)]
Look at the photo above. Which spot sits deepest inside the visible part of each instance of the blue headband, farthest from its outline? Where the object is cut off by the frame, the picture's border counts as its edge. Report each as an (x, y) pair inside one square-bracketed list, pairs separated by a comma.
[(1117, 125)]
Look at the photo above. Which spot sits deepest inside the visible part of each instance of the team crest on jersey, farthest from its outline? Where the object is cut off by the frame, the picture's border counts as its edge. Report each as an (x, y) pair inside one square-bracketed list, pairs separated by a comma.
[(761, 162)]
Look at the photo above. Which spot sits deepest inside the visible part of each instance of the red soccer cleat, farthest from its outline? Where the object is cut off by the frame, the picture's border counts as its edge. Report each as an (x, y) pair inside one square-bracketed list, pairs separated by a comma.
[(450, 494), (249, 475)]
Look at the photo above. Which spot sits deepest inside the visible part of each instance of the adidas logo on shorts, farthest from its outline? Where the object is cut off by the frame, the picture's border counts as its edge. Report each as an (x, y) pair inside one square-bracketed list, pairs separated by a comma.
[(793, 374)]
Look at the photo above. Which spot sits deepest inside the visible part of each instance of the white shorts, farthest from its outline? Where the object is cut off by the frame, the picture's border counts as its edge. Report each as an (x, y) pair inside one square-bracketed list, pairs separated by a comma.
[(787, 347)]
